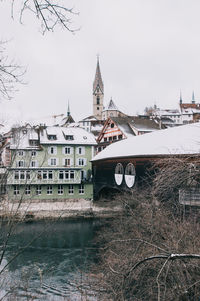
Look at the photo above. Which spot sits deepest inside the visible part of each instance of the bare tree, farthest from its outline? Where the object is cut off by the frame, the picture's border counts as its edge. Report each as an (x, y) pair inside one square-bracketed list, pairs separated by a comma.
[(49, 13)]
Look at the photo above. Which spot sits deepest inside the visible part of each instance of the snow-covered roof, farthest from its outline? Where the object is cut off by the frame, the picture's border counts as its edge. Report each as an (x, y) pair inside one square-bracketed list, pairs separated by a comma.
[(180, 140), (89, 118), (79, 136), (129, 124), (167, 112), (21, 138)]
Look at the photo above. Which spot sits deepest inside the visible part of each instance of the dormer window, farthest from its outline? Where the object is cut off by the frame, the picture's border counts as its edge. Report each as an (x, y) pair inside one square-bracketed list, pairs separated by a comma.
[(34, 142), (52, 137), (69, 137)]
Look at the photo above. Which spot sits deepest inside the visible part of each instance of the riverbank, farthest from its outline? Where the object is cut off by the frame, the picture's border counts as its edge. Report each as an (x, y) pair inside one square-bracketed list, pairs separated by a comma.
[(36, 210)]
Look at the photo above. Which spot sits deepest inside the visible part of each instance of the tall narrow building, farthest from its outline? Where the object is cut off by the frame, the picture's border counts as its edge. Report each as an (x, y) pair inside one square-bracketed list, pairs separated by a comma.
[(98, 93)]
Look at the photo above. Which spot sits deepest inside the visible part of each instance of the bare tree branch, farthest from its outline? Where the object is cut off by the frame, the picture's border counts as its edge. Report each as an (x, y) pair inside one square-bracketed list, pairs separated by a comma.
[(49, 13), (10, 74)]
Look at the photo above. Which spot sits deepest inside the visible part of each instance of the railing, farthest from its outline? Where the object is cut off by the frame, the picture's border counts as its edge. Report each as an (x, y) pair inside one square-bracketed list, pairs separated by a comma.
[(40, 181)]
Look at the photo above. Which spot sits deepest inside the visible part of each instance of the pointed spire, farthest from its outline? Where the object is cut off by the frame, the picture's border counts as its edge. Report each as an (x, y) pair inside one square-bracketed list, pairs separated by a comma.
[(193, 98), (180, 100), (98, 83), (112, 106), (68, 109)]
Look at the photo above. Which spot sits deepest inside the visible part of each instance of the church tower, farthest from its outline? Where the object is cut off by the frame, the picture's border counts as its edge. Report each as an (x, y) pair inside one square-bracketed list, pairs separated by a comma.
[(98, 93)]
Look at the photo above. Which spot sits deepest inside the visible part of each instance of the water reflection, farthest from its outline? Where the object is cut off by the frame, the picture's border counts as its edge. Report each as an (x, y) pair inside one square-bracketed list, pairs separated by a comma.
[(54, 265)]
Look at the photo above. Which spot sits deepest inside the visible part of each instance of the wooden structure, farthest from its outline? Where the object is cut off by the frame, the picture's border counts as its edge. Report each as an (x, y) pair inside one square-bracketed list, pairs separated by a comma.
[(123, 164)]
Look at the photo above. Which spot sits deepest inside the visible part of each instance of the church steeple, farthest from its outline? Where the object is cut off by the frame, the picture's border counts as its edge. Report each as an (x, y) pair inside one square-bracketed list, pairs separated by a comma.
[(193, 98), (98, 83), (68, 110), (181, 99), (98, 93)]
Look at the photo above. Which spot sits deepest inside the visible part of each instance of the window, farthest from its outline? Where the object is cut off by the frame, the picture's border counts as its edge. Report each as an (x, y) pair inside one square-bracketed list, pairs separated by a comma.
[(80, 150), (50, 174), (16, 190), (53, 162), (71, 189), (83, 176), (81, 189), (68, 150), (39, 175), (119, 171), (72, 174), (120, 137), (60, 189), (33, 163), (81, 162), (110, 138), (34, 142), (20, 153), (52, 150), (28, 189), (98, 100), (114, 137), (52, 137), (69, 137), (38, 189), (28, 176), (49, 189), (67, 162), (61, 174), (112, 125), (22, 175), (99, 148), (44, 175), (97, 108), (16, 175), (33, 153), (66, 174), (20, 163), (130, 175), (105, 139)]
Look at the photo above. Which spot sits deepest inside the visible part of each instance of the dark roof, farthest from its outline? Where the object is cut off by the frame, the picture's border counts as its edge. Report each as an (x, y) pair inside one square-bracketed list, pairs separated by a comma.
[(68, 119), (140, 123)]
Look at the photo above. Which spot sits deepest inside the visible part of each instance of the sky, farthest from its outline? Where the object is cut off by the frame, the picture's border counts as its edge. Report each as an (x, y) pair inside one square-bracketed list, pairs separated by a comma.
[(149, 51)]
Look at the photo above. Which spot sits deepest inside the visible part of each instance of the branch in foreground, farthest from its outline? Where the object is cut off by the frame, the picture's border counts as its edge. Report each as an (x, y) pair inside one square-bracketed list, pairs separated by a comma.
[(49, 13), (10, 74)]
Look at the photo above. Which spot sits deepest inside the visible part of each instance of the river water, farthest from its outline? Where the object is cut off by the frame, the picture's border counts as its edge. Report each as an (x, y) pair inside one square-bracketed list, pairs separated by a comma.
[(54, 266)]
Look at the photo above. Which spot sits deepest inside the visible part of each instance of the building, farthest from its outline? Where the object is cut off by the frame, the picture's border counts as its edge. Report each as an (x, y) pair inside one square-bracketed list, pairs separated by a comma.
[(124, 164), (190, 111), (98, 93), (111, 110), (118, 128), (50, 163)]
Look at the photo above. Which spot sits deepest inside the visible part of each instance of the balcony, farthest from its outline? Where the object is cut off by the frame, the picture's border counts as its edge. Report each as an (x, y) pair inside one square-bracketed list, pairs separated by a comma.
[(35, 180)]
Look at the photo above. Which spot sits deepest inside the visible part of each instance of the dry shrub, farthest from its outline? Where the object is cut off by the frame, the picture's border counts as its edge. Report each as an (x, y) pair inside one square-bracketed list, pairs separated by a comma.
[(137, 261)]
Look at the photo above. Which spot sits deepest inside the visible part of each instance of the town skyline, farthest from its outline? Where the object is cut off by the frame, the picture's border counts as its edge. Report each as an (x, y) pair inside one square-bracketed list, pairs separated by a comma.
[(148, 54)]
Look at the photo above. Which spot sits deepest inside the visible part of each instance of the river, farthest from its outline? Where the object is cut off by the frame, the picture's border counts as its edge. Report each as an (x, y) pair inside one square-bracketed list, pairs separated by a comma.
[(54, 266)]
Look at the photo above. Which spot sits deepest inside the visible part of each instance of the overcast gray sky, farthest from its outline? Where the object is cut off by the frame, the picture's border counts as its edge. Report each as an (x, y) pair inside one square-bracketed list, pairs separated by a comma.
[(149, 50)]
